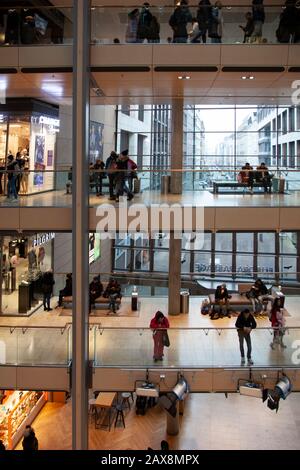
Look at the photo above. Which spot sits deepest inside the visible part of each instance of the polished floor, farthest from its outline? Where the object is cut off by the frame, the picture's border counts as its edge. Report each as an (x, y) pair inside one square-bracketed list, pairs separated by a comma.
[(210, 422), (188, 198), (196, 341)]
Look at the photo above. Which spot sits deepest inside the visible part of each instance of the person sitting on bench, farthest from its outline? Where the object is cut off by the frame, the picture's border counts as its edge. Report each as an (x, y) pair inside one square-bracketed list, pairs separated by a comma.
[(221, 298), (247, 176), (113, 292), (258, 294), (263, 175), (96, 290), (66, 291)]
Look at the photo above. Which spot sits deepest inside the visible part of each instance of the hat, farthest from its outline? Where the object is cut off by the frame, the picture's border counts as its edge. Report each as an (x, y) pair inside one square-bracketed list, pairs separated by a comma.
[(125, 152)]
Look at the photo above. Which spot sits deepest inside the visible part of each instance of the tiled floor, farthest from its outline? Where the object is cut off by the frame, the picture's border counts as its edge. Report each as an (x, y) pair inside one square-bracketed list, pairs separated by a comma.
[(196, 341), (188, 198)]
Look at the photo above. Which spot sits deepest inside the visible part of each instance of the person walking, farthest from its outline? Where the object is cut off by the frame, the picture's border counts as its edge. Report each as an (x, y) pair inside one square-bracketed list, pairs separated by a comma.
[(245, 323), (47, 288), (278, 323), (159, 325), (30, 441)]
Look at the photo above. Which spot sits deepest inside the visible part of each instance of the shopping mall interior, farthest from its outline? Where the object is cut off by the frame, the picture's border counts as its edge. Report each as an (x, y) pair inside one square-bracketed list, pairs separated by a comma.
[(146, 167)]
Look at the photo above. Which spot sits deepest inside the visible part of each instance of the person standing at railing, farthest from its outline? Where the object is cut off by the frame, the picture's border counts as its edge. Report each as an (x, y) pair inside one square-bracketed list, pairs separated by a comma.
[(132, 27), (159, 324), (248, 28), (204, 18), (258, 13), (144, 24), (110, 167), (278, 324), (179, 20), (245, 324), (216, 29)]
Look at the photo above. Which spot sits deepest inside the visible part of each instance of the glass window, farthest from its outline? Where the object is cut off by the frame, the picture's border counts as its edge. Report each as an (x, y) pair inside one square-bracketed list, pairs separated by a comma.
[(202, 263), (223, 241), (223, 264), (141, 260), (244, 265), (266, 267), (288, 242), (288, 267), (161, 261), (266, 242), (185, 262), (122, 259), (244, 242), (162, 241)]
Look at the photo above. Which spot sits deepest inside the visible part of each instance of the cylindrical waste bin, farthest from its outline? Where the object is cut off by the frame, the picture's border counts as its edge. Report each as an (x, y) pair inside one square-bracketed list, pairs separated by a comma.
[(184, 301), (165, 184)]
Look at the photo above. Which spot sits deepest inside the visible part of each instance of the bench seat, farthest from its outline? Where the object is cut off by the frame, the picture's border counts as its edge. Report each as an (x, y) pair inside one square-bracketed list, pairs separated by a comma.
[(236, 299), (234, 184), (68, 299)]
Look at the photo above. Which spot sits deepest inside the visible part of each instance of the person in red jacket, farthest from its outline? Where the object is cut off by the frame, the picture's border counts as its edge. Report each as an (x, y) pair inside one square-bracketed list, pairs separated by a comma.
[(159, 324)]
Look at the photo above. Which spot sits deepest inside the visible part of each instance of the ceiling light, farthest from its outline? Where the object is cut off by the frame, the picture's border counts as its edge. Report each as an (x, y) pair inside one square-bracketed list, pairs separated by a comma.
[(244, 77), (180, 77), (251, 77), (184, 77)]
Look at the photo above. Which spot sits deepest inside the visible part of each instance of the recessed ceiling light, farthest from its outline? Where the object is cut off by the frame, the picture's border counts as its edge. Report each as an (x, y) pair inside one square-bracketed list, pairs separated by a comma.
[(187, 78), (180, 77), (251, 77), (244, 77), (184, 77)]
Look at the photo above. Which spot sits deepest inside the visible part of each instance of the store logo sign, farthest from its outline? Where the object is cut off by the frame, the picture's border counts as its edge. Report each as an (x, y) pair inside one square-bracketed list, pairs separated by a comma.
[(54, 124), (2, 352), (42, 239)]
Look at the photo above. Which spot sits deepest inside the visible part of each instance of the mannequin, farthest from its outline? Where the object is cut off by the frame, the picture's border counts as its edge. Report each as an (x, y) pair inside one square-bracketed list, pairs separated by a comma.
[(24, 180), (32, 260)]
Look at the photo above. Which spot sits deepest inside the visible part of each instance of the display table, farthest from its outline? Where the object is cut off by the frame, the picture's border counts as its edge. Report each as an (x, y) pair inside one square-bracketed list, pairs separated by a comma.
[(24, 298), (104, 401), (19, 410)]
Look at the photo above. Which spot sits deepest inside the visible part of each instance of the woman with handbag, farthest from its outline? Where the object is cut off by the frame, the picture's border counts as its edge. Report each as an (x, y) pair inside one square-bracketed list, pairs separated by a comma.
[(159, 325)]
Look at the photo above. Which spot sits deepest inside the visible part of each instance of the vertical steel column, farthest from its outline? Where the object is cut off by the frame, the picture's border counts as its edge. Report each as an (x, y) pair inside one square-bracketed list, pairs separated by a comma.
[(177, 146), (80, 224)]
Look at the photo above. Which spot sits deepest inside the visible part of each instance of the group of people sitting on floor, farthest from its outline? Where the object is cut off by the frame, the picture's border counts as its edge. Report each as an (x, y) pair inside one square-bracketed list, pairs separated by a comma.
[(258, 295), (260, 175)]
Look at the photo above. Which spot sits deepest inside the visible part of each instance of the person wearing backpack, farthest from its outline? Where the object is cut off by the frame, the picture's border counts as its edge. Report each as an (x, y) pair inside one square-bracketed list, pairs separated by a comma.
[(278, 322)]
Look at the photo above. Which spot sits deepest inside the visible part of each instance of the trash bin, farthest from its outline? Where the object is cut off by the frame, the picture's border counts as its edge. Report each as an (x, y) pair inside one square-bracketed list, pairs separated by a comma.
[(278, 185), (134, 300), (165, 184), (184, 301)]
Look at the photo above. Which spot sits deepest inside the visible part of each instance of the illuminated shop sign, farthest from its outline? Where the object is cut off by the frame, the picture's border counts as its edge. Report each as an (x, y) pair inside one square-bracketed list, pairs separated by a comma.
[(54, 124), (42, 239)]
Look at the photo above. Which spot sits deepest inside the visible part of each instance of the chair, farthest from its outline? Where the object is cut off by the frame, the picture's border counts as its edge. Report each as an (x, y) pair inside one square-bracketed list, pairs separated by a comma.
[(92, 408), (125, 400), (120, 415)]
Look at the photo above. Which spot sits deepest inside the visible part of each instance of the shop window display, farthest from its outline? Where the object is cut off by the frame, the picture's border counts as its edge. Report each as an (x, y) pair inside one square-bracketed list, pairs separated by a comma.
[(23, 262), (31, 139), (18, 409)]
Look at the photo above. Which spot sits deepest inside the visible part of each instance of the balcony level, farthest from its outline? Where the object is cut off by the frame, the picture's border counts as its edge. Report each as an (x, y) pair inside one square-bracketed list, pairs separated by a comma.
[(148, 73)]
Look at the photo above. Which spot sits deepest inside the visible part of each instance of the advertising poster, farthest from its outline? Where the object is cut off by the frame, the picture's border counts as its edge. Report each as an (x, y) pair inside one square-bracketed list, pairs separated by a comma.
[(39, 164), (50, 158), (96, 141)]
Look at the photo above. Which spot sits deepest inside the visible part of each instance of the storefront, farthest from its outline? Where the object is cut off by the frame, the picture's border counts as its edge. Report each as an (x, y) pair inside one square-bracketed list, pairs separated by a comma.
[(24, 260), (28, 130), (17, 410)]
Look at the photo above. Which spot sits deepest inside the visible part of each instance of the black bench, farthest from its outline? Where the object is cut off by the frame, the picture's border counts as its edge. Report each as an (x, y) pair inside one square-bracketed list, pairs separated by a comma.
[(234, 184)]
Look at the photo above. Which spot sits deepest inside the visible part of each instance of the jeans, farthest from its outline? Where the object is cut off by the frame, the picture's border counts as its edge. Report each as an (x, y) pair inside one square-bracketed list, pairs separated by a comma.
[(111, 179), (11, 187), (46, 300), (246, 336), (98, 184)]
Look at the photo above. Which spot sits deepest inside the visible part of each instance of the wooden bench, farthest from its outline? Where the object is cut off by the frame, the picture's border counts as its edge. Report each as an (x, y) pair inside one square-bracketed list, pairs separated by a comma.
[(240, 299), (233, 184), (99, 302)]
